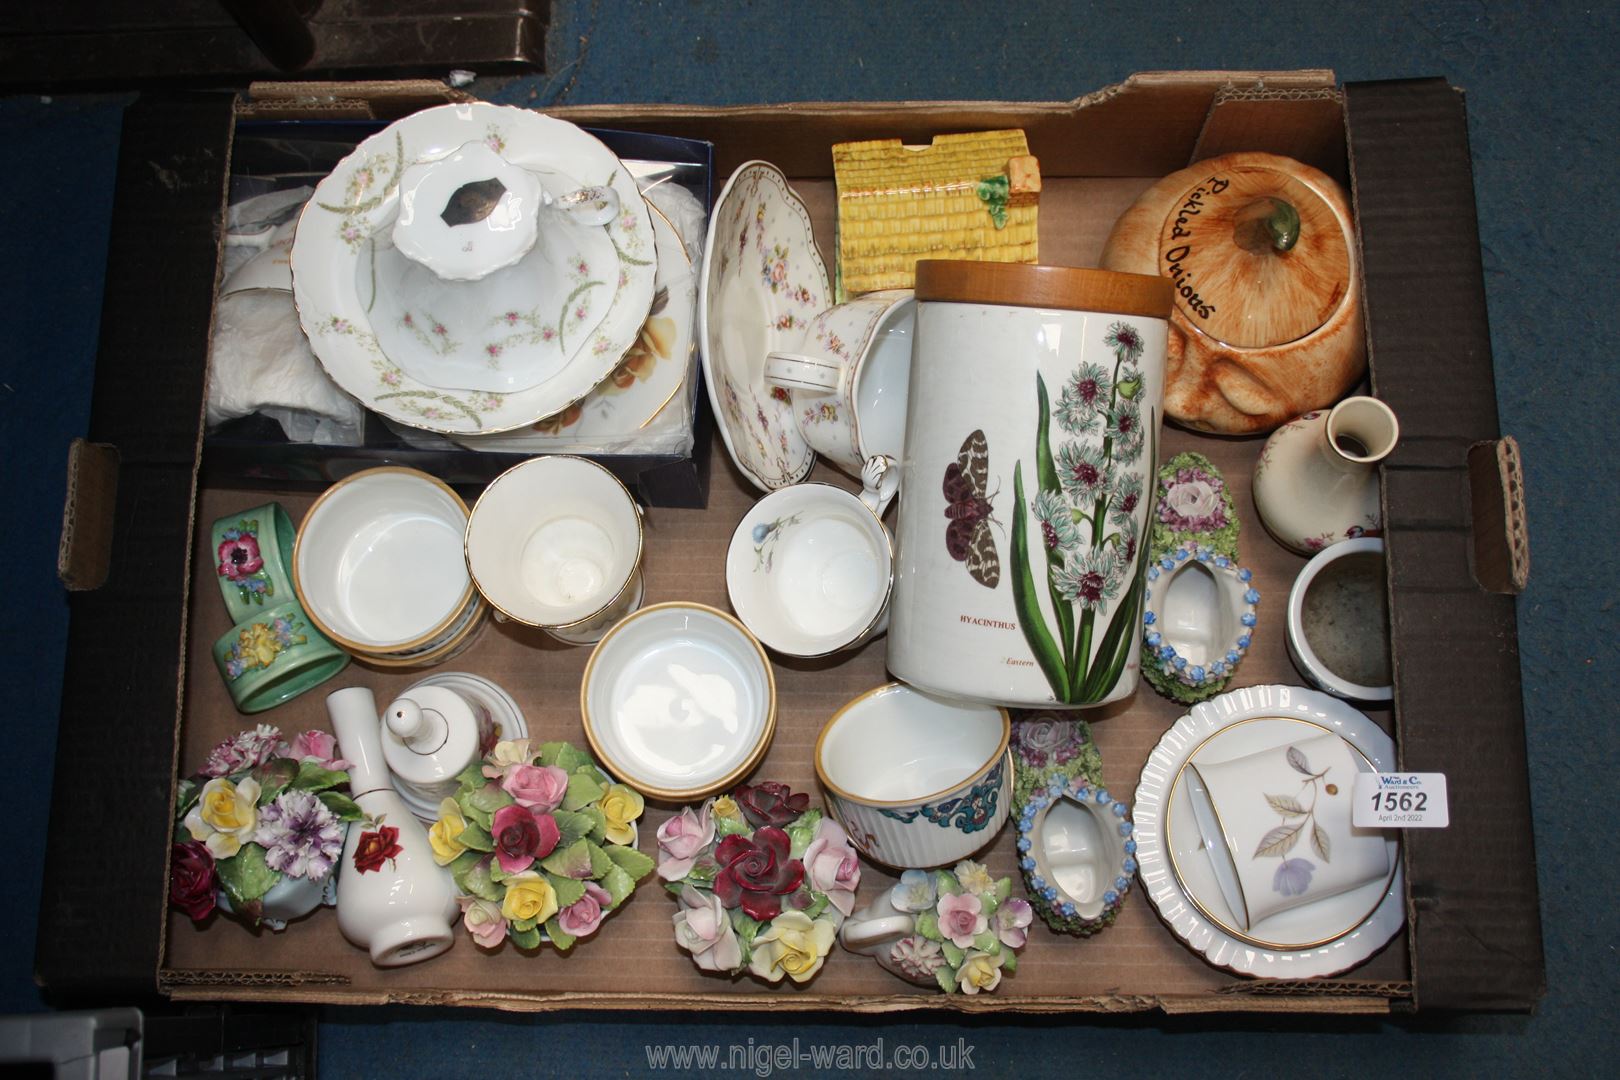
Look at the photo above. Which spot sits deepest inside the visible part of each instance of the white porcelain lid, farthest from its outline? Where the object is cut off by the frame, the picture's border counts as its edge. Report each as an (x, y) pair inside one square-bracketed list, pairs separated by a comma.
[(429, 735)]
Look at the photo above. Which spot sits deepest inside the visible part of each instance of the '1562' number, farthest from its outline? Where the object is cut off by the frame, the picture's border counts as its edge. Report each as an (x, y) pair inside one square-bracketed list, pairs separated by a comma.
[(1389, 802)]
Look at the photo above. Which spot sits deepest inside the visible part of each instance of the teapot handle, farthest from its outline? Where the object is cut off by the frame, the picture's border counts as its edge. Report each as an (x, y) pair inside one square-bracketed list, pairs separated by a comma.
[(868, 935)]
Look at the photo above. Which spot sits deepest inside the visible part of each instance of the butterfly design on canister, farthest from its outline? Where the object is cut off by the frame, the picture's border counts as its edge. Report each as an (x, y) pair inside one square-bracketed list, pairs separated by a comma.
[(967, 505)]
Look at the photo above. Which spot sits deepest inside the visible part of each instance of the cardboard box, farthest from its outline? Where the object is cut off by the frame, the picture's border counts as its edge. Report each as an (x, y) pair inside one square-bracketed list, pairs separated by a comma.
[(140, 678)]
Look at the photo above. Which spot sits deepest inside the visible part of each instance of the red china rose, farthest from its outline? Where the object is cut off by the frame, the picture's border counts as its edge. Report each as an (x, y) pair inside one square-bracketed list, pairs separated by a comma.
[(240, 557), (521, 836), (770, 803), (376, 848), (192, 880), (756, 873)]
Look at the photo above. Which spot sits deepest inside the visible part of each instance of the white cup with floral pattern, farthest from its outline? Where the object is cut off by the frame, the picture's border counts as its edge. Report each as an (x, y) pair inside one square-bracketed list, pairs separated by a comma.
[(810, 566), (850, 376)]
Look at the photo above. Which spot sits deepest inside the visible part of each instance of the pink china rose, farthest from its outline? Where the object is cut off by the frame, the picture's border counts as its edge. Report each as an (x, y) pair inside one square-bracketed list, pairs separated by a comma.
[(682, 839), (536, 787), (321, 747), (584, 915), (831, 866), (483, 920), (703, 929), (961, 918), (1012, 917)]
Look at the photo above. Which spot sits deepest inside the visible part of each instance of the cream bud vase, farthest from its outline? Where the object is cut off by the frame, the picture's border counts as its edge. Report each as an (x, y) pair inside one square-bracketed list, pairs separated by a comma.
[(1316, 481), (393, 898)]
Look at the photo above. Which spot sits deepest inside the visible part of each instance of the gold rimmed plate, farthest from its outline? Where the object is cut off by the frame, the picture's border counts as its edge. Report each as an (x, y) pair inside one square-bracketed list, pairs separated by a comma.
[(1306, 955)]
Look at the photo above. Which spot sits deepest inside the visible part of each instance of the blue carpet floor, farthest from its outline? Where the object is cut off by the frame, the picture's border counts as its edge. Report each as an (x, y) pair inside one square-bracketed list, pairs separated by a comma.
[(1541, 108)]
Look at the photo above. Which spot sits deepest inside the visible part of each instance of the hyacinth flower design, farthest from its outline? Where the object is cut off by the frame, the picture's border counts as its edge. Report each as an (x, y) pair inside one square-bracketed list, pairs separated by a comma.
[(1293, 876), (1085, 513)]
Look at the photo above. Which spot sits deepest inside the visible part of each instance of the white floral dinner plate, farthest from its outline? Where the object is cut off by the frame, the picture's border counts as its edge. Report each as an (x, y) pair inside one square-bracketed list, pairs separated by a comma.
[(763, 279), (360, 196), (646, 380), (1324, 938)]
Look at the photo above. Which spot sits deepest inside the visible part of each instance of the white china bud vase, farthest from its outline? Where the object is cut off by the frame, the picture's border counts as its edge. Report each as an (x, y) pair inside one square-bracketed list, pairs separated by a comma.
[(393, 899), (1316, 481)]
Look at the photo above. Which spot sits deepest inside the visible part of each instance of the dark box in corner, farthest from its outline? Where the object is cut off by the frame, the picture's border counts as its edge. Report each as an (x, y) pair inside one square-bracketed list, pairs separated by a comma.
[(1473, 936)]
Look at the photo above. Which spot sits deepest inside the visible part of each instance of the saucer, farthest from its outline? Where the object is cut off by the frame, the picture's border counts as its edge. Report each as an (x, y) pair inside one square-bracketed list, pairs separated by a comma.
[(647, 379), (491, 334), (1325, 938), (360, 197), (679, 701), (763, 280)]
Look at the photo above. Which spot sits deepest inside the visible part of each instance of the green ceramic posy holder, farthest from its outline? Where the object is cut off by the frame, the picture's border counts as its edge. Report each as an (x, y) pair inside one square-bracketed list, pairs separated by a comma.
[(273, 656), (252, 551), (273, 653)]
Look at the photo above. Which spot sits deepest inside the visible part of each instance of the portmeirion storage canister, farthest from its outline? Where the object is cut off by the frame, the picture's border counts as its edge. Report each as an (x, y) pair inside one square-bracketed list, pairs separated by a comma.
[(1031, 438)]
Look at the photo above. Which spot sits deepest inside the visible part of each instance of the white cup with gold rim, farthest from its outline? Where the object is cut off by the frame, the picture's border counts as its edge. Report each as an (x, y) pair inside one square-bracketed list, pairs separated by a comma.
[(556, 543), (377, 567)]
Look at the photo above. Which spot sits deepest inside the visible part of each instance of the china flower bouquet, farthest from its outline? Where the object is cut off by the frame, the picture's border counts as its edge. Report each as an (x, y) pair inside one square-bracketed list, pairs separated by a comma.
[(764, 882), (541, 844), (261, 815), (969, 927)]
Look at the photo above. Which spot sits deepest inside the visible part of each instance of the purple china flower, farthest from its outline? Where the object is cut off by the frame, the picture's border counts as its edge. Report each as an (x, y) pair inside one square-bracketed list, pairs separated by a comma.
[(1293, 877), (300, 836), (245, 751)]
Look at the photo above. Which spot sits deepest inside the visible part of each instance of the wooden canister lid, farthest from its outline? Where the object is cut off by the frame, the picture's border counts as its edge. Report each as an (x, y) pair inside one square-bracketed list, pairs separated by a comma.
[(1070, 288)]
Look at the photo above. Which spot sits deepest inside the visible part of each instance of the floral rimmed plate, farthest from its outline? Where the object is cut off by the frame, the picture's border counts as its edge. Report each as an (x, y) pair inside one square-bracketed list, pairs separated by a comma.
[(763, 279), (1324, 938), (360, 196), (645, 380)]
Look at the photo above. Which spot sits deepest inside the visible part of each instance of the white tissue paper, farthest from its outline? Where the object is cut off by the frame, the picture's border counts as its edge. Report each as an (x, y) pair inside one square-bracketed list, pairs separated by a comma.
[(261, 362)]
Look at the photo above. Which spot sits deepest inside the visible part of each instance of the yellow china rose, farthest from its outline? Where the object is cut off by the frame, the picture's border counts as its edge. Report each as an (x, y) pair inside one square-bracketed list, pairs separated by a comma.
[(443, 836), (794, 945), (225, 817), (510, 752), (979, 971), (726, 807), (529, 896), (621, 806)]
